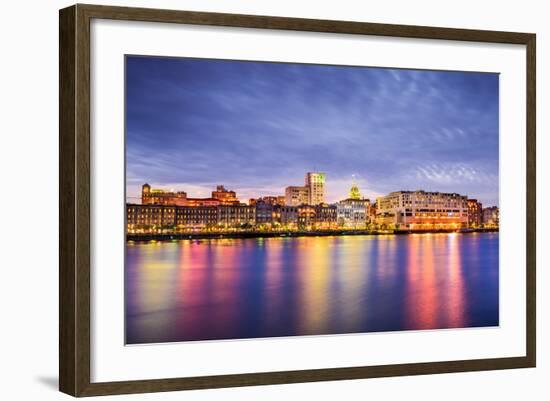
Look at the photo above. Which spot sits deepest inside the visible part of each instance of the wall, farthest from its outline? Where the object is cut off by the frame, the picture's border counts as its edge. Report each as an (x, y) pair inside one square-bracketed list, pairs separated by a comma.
[(28, 93)]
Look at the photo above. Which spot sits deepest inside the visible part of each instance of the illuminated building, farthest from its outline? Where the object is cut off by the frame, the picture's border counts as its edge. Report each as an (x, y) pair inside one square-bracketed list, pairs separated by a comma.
[(264, 213), (420, 210), (271, 200), (274, 215), (224, 196), (275, 200), (475, 213), (351, 213), (160, 197), (372, 212), (164, 212), (317, 217), (354, 192), (354, 211), (491, 216), (202, 202), (150, 217), (236, 216), (288, 216), (196, 217), (315, 182), (296, 196), (147, 218), (312, 193)]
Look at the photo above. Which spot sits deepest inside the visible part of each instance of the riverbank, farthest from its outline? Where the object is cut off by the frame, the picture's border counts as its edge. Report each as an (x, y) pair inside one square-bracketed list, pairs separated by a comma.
[(283, 234)]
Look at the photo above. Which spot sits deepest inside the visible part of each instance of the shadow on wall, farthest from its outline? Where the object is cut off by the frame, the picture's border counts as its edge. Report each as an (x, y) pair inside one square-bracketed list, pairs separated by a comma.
[(49, 381)]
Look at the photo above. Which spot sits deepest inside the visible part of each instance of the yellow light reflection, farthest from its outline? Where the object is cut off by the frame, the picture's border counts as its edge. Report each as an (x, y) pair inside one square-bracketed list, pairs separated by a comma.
[(455, 297), (315, 270)]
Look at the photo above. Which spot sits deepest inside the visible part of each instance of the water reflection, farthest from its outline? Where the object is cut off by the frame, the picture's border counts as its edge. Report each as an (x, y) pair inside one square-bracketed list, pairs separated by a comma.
[(244, 288), (455, 287)]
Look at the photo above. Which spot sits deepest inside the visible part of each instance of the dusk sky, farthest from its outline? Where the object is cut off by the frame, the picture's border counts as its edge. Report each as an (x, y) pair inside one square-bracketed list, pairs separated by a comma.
[(258, 127)]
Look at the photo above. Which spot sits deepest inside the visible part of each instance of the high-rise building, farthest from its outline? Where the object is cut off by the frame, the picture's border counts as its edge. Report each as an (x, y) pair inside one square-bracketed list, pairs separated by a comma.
[(315, 182), (312, 193), (296, 196), (421, 210)]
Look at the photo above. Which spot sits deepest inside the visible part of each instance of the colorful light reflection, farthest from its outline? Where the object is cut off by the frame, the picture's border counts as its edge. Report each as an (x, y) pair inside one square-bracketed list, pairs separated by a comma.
[(249, 288)]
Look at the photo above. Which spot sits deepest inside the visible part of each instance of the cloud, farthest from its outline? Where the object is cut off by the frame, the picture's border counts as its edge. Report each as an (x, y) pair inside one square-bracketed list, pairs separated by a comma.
[(258, 127)]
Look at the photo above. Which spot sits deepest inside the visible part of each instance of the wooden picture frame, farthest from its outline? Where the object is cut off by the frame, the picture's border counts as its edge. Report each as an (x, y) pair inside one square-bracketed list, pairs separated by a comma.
[(74, 203)]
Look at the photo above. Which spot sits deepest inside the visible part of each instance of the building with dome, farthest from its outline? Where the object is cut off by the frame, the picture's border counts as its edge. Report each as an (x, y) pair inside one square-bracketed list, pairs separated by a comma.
[(353, 212)]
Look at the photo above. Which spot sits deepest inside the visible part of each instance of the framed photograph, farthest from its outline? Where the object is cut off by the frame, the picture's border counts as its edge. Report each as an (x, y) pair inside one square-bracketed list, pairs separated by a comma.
[(250, 200)]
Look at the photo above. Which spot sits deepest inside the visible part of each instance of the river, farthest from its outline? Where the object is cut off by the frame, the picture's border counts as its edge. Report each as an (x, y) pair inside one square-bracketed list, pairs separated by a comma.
[(249, 288)]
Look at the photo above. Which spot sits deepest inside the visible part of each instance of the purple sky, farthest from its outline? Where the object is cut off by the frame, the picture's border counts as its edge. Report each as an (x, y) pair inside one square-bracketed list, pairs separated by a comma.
[(258, 127)]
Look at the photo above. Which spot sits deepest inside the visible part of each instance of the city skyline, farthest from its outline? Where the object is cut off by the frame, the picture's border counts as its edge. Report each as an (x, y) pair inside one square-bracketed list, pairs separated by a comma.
[(255, 127), (353, 186)]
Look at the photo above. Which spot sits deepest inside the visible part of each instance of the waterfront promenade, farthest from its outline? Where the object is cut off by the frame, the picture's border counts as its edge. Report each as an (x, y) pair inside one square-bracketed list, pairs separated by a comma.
[(294, 233)]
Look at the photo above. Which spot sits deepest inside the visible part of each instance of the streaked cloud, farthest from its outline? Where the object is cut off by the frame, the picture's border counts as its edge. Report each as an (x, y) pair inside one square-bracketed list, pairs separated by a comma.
[(258, 127)]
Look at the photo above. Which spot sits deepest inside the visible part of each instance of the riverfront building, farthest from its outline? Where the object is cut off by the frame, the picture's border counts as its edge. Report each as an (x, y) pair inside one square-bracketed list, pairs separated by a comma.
[(165, 212), (491, 217), (196, 217), (317, 217), (141, 216), (147, 218), (236, 216), (354, 211), (273, 216), (420, 210), (475, 213), (288, 216), (266, 213)]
